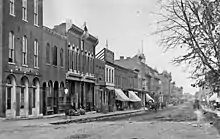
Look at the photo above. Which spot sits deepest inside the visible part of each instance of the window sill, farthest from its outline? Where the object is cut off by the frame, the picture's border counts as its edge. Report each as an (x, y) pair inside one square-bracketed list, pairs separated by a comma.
[(12, 15), (36, 25), (24, 65), (55, 66), (25, 20), (36, 67), (11, 63)]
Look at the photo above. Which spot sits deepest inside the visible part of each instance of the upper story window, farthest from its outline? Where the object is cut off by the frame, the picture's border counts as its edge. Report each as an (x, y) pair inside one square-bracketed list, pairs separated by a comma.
[(106, 74), (36, 47), (109, 75), (35, 12), (112, 76), (55, 56), (24, 10), (12, 7), (61, 57), (24, 50), (11, 47), (48, 53), (82, 45)]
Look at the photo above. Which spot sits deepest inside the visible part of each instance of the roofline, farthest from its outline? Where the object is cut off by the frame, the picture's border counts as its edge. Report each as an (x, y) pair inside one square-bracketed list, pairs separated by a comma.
[(80, 31), (52, 32), (120, 66)]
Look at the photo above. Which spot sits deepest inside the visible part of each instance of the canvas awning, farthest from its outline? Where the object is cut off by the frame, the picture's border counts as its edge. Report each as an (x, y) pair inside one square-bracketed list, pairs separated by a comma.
[(133, 97), (148, 97), (120, 95), (213, 97), (110, 88)]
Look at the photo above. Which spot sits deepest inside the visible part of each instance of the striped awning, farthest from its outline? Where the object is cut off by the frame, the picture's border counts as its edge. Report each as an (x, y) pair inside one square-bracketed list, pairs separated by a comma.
[(120, 95), (133, 97), (148, 97)]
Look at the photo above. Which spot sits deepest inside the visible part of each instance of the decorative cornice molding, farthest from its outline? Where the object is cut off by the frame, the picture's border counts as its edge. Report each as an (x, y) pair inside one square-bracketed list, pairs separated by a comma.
[(52, 32)]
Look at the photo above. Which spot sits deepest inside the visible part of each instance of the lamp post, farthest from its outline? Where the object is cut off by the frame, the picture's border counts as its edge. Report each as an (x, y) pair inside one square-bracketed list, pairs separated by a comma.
[(66, 95), (66, 91)]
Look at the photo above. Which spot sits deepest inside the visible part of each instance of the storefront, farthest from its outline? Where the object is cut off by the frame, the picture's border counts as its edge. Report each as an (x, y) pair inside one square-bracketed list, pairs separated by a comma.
[(110, 91), (121, 100), (135, 101), (22, 98)]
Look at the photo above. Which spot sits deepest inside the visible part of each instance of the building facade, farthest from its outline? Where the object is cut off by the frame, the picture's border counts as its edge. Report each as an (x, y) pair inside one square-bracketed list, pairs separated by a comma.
[(80, 54), (53, 72), (127, 81), (165, 89), (137, 63), (20, 50), (99, 84)]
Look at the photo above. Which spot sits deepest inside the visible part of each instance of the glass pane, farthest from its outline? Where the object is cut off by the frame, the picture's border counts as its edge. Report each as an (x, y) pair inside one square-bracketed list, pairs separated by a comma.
[(22, 98), (8, 98), (33, 98)]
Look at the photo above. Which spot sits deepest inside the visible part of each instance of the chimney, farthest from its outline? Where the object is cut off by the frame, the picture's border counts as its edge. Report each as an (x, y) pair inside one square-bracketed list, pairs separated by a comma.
[(121, 57)]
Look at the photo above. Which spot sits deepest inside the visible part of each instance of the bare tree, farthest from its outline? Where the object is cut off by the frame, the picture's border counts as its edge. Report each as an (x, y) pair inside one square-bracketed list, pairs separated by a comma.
[(194, 26)]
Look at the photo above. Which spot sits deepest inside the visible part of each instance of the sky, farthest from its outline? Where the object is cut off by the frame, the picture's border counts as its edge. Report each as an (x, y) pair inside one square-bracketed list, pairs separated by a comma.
[(124, 23)]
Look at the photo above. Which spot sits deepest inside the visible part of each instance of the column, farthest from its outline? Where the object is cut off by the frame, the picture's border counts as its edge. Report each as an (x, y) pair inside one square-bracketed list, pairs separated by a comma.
[(76, 95), (79, 94), (13, 101), (41, 101), (37, 100), (26, 96), (84, 95), (2, 100)]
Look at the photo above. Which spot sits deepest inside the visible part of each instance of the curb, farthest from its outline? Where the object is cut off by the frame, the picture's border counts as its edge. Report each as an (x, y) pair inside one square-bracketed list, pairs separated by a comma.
[(95, 118)]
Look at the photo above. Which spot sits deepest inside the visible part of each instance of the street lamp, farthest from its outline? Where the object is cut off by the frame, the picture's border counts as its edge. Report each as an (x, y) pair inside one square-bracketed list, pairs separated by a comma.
[(66, 91)]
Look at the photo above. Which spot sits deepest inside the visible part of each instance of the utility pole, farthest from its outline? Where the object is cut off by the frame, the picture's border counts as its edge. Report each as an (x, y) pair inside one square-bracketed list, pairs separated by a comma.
[(106, 44)]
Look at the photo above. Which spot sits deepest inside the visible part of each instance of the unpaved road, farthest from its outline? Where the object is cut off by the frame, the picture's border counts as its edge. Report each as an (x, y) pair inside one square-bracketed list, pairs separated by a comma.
[(172, 123)]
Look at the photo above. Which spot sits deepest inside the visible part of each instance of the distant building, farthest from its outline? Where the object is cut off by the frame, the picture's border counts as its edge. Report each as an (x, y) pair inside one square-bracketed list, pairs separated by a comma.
[(118, 82), (176, 92), (148, 79), (165, 89)]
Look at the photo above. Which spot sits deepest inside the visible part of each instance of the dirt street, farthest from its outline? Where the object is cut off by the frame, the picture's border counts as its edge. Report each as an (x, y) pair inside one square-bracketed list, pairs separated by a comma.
[(173, 123)]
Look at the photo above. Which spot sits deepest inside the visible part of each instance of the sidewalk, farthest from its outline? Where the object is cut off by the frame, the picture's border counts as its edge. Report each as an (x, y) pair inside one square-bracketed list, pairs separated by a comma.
[(62, 119), (92, 117)]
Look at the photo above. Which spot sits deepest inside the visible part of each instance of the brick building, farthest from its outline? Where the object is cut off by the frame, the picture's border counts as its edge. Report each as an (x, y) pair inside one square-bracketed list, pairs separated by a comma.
[(108, 102), (80, 54), (137, 63), (20, 46), (53, 71), (100, 83), (126, 80)]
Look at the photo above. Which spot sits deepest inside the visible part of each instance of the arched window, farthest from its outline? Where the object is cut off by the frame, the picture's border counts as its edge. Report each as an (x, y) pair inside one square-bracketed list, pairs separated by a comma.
[(61, 57), (48, 53), (55, 56)]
